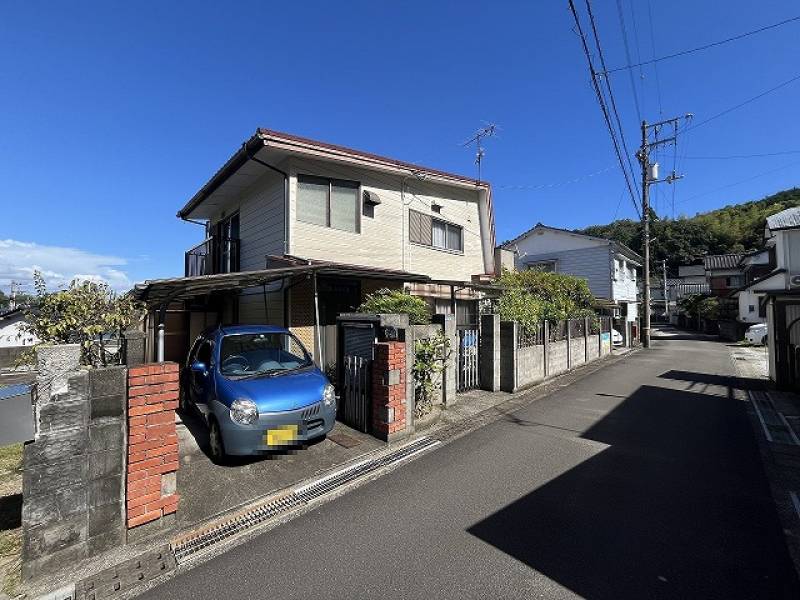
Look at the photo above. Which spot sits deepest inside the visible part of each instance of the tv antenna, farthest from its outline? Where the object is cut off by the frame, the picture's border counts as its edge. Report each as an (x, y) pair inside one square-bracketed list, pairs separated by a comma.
[(476, 139)]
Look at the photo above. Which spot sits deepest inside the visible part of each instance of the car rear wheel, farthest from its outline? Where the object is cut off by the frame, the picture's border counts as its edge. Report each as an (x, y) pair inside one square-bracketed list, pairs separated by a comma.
[(216, 445)]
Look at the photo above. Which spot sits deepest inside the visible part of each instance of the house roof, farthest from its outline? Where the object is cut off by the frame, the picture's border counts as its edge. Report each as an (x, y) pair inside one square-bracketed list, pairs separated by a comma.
[(271, 138), (756, 281), (714, 262), (157, 291), (618, 246), (786, 219)]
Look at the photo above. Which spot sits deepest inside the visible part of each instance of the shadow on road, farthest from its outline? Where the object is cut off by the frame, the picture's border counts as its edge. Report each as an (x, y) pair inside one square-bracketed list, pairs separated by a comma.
[(677, 506), (711, 379)]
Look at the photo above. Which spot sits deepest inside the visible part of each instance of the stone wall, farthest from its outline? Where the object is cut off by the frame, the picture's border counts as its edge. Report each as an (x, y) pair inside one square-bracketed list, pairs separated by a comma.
[(152, 444), (73, 492)]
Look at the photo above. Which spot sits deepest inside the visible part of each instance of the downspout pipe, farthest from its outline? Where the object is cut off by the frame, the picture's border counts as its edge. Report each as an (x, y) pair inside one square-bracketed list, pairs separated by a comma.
[(285, 193)]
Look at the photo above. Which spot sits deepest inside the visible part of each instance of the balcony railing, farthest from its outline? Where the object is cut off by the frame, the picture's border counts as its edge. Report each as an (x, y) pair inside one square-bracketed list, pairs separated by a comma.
[(212, 256)]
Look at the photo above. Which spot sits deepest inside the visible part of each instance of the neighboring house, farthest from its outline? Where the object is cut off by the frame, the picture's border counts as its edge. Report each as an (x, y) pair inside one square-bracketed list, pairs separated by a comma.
[(755, 266), (310, 228), (780, 293), (723, 273), (610, 268), (11, 333)]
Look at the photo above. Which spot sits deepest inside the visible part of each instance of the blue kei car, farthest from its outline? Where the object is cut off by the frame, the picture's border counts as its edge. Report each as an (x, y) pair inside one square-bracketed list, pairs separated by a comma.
[(257, 389)]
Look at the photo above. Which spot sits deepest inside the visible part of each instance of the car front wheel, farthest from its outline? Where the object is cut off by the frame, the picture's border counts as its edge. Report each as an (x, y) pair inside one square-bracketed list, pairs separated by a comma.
[(216, 445)]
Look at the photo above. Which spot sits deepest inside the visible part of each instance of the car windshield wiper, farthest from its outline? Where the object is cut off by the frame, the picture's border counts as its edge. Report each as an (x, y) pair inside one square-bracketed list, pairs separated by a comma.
[(265, 373)]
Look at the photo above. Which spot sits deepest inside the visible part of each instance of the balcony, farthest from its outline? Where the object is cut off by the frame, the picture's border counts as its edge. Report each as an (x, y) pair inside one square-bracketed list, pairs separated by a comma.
[(212, 256)]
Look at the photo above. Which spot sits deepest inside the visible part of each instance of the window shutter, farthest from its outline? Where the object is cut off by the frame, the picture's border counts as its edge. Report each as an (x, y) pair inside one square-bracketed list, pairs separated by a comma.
[(419, 228)]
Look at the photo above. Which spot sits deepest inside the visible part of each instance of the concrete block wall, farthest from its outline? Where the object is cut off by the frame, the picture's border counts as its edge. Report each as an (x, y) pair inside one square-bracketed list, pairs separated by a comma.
[(522, 367), (73, 492), (389, 379), (449, 375), (152, 445)]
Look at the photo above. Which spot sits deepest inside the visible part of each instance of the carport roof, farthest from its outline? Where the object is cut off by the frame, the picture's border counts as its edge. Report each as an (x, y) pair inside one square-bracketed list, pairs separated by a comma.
[(158, 291)]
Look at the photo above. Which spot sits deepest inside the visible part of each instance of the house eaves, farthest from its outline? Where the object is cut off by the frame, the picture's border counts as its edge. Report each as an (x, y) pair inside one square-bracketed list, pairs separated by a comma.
[(267, 138)]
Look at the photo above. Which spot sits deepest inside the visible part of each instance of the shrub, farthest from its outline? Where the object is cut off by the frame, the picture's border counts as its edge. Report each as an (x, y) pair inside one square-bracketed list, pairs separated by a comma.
[(80, 314), (530, 297), (388, 301), (430, 355)]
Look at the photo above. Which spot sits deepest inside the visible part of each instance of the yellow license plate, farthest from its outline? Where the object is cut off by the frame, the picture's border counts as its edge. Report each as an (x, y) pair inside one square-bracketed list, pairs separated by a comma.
[(281, 436)]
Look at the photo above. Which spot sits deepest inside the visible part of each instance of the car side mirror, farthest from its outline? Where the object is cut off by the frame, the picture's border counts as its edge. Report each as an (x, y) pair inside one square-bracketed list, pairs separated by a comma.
[(199, 367)]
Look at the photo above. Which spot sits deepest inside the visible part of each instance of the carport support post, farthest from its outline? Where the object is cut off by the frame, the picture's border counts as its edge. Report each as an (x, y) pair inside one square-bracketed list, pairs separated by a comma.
[(317, 333)]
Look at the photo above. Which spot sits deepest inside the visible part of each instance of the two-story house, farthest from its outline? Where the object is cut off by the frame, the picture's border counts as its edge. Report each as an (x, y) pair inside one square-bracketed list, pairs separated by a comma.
[(610, 268), (755, 266), (723, 273), (779, 293), (298, 231)]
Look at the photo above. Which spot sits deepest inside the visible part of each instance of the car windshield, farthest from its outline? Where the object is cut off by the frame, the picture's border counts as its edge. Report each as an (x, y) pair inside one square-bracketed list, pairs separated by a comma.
[(249, 354)]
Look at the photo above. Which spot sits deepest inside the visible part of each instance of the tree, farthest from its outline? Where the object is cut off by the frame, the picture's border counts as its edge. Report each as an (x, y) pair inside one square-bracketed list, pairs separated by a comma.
[(81, 314), (733, 228), (386, 301)]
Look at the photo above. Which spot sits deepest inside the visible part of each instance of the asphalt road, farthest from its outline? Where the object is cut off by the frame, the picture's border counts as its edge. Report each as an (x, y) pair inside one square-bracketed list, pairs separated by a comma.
[(642, 480)]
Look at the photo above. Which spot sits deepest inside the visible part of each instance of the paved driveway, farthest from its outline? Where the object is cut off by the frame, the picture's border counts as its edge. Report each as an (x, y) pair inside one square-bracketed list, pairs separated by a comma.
[(642, 480)]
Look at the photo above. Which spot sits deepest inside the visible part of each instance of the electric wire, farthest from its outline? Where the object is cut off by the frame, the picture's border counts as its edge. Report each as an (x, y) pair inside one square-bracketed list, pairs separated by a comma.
[(624, 30), (653, 46), (706, 46), (741, 104), (741, 181), (608, 87), (737, 156), (603, 108)]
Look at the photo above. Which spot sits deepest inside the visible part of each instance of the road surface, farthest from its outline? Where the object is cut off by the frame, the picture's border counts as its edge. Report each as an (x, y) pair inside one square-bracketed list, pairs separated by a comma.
[(641, 480)]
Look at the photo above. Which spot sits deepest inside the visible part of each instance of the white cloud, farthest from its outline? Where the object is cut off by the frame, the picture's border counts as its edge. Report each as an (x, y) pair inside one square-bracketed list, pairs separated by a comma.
[(59, 265)]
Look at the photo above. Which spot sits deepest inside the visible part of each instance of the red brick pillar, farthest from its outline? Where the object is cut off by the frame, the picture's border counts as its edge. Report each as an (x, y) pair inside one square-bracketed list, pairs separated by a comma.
[(152, 442), (389, 390)]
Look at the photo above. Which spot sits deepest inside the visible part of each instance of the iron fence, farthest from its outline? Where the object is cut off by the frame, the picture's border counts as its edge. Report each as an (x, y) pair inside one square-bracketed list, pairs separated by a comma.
[(530, 336)]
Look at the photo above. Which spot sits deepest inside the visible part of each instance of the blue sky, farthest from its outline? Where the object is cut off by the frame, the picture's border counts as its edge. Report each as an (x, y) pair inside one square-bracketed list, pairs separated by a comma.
[(114, 114)]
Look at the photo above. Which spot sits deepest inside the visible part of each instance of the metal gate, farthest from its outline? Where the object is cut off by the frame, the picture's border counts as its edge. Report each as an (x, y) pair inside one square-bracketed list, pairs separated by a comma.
[(354, 408), (467, 359), (356, 342)]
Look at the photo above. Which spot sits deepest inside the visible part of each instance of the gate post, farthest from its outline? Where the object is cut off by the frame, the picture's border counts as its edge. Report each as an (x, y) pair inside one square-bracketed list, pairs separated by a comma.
[(508, 367), (586, 339), (569, 344), (389, 390), (489, 349), (448, 323), (546, 330)]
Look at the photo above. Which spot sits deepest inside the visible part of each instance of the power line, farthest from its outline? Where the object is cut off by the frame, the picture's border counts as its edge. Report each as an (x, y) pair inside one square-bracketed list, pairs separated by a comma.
[(741, 181), (628, 58), (733, 156), (555, 184), (740, 105), (601, 101), (608, 86), (706, 46), (653, 45)]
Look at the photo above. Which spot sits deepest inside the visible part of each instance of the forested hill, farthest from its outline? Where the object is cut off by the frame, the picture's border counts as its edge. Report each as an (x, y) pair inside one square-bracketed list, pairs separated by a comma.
[(733, 228)]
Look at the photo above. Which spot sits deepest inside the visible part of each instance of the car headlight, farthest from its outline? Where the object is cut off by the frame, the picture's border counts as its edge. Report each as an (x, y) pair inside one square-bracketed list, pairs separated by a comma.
[(329, 395), (244, 412)]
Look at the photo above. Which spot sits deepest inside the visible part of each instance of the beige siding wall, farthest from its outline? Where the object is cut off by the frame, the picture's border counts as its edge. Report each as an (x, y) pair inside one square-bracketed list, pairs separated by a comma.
[(261, 221), (383, 240)]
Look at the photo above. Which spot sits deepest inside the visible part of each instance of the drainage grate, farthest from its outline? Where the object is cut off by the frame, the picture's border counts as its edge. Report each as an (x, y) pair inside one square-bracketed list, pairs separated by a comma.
[(297, 497)]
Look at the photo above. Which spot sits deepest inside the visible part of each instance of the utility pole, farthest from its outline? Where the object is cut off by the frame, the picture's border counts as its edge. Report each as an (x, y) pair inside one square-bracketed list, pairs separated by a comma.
[(649, 177)]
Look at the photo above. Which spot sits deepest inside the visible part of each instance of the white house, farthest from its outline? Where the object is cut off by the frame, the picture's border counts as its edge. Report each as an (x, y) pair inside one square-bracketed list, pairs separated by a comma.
[(780, 293), (11, 332), (310, 228), (610, 268)]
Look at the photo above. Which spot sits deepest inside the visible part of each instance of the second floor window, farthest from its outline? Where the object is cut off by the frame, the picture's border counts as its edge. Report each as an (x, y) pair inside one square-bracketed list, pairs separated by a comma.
[(328, 202), (425, 230)]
